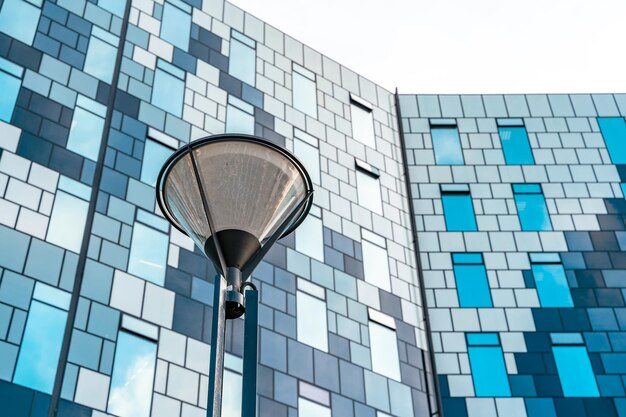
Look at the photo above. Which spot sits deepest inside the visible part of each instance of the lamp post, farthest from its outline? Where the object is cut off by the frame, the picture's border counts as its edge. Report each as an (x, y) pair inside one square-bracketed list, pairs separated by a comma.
[(235, 196)]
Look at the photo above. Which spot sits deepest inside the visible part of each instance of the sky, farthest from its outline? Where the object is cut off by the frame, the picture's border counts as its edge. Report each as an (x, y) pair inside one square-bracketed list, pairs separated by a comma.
[(464, 46)]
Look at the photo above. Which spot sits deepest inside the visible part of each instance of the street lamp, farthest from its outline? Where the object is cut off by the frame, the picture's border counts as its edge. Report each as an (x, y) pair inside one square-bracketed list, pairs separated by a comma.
[(234, 195)]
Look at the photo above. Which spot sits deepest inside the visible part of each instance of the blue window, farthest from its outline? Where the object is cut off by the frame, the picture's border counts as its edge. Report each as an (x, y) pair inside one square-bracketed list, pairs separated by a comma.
[(457, 207), (304, 91), (10, 82), (446, 142), (531, 207), (550, 280), (148, 254), (487, 363), (116, 7), (133, 375), (86, 131), (614, 133), (242, 60), (515, 144), (67, 222), (41, 346), (471, 280), (176, 24), (168, 89), (573, 366), (239, 116), (19, 19), (154, 156), (101, 54)]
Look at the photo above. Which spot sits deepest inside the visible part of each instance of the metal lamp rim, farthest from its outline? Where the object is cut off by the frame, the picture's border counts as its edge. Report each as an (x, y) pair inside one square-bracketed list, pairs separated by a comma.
[(184, 150)]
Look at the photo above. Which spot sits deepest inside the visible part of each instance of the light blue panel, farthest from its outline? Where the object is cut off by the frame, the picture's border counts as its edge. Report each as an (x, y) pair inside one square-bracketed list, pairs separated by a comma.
[(467, 258), (67, 222), (614, 133), (19, 19), (85, 134), (515, 146), (41, 346), (489, 372), (231, 404), (376, 394), (304, 94), (566, 338), (552, 286), (5, 319), (75, 188), (483, 339), (148, 254), (526, 188), (133, 373), (168, 92), (116, 7), (103, 321), (447, 146), (575, 372), (85, 350), (239, 121), (44, 262), (18, 323), (544, 257), (242, 61), (176, 26), (472, 286), (532, 212), (97, 281), (69, 382), (154, 156), (8, 356), (298, 263), (13, 248), (151, 220), (100, 59), (52, 295), (400, 399), (10, 87), (459, 212), (16, 290)]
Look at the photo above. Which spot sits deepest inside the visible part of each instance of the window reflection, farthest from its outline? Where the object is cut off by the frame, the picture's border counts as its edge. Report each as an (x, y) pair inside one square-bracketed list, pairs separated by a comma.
[(368, 191), (101, 55), (304, 91), (133, 375), (176, 25), (551, 284), (447, 145), (19, 19), (10, 87), (242, 59), (148, 254), (515, 145), (239, 117), (231, 400), (384, 348), (41, 346), (575, 371), (363, 125), (311, 317), (310, 158), (168, 88), (614, 133), (376, 265), (154, 156), (531, 207), (85, 133), (67, 221), (471, 280), (458, 210), (308, 408), (310, 238), (488, 367)]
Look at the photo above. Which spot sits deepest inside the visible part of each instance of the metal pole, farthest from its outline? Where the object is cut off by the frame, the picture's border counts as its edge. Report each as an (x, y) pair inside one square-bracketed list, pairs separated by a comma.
[(218, 336), (248, 392)]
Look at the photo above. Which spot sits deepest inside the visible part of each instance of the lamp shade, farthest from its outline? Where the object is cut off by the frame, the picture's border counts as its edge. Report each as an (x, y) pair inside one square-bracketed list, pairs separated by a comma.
[(234, 194)]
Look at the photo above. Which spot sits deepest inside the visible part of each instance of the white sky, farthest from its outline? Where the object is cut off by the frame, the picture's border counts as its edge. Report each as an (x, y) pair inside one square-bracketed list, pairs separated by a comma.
[(464, 46)]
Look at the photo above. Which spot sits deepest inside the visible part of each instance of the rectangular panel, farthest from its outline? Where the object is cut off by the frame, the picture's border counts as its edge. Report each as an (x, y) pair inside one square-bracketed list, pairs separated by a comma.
[(376, 265), (552, 286), (614, 133), (447, 145), (304, 94), (363, 126), (176, 26), (384, 349), (148, 254), (67, 222), (532, 210), (459, 212), (516, 146), (368, 190), (311, 321), (242, 59), (575, 371), (489, 372)]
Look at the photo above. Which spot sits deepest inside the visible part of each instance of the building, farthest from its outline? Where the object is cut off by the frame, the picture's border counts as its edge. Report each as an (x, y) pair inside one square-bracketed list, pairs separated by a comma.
[(476, 238)]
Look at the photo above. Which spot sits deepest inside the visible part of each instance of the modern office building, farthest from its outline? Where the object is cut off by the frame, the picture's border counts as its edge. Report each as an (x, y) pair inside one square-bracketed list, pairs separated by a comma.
[(465, 255)]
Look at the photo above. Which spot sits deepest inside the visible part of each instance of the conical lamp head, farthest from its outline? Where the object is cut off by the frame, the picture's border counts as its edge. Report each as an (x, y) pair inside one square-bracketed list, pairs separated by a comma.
[(236, 193)]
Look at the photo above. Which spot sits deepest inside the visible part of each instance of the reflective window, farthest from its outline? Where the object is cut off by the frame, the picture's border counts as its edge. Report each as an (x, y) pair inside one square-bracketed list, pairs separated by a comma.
[(531, 207), (515, 144), (384, 349), (242, 59), (376, 265), (447, 144), (363, 125), (614, 133), (551, 281), (154, 156), (308, 408), (19, 19), (310, 158), (310, 238), (168, 88), (304, 91), (368, 191), (176, 24), (116, 7), (67, 222), (148, 254), (458, 209), (239, 116), (10, 83), (41, 346), (487, 363), (471, 280), (85, 133), (133, 376), (311, 321), (101, 54), (574, 368), (231, 400)]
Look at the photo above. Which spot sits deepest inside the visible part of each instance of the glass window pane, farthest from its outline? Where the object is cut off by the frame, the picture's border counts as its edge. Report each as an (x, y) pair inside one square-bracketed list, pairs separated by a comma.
[(552, 286), (384, 348), (133, 376), (168, 92), (575, 371), (231, 400), (459, 212), (304, 95), (154, 156), (19, 20), (308, 408), (10, 87), (116, 7), (447, 146), (363, 126), (85, 134), (239, 121), (368, 191), (311, 318), (242, 61), (310, 238), (310, 158), (515, 145), (176, 26), (532, 211), (67, 221), (100, 59), (376, 265), (39, 353), (472, 285), (614, 133), (148, 254), (489, 372)]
